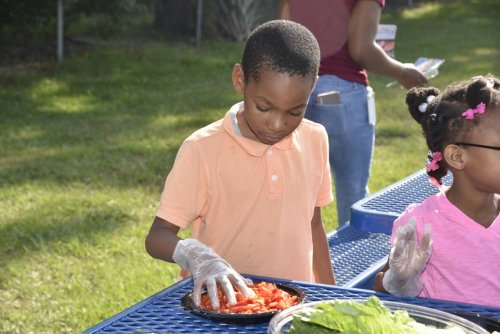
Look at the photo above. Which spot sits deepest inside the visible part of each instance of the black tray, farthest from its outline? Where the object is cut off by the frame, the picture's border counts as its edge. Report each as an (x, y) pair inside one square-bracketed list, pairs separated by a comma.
[(188, 303)]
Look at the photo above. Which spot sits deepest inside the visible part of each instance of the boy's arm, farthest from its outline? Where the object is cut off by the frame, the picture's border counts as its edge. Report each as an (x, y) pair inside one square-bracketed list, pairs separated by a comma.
[(162, 239), (322, 265), (206, 266)]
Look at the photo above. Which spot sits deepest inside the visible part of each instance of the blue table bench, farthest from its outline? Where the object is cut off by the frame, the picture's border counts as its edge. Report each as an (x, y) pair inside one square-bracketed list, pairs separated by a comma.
[(377, 212), (357, 255)]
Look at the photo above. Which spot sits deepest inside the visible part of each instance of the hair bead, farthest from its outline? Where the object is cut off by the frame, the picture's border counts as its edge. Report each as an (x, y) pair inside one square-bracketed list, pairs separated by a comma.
[(423, 107)]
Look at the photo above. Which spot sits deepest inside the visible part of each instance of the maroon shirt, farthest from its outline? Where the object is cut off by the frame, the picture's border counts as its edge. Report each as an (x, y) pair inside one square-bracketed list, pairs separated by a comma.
[(328, 20)]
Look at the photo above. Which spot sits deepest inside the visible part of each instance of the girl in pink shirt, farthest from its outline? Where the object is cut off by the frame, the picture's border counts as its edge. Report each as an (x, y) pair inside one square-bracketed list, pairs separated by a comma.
[(448, 247)]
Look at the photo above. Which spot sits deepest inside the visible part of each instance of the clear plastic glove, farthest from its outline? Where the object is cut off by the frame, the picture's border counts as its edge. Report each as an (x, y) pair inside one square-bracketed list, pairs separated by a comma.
[(208, 269), (407, 261)]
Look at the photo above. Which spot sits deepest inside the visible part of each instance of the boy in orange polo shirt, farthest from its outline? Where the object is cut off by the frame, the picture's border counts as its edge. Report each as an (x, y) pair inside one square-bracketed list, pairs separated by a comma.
[(252, 183)]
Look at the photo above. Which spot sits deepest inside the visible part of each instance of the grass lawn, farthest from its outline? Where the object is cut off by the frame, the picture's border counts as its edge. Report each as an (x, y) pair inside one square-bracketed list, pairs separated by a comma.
[(85, 148)]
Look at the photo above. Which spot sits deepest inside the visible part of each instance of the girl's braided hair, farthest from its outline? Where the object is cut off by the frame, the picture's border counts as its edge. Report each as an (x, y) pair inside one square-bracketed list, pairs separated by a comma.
[(441, 117)]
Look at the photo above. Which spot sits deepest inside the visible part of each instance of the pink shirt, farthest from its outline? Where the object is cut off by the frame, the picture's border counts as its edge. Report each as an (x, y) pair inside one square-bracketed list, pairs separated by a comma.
[(252, 203), (328, 20), (465, 262)]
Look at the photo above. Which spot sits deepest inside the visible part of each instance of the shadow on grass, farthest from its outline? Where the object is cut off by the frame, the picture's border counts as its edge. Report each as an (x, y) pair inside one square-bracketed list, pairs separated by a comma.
[(110, 122), (115, 120), (24, 237)]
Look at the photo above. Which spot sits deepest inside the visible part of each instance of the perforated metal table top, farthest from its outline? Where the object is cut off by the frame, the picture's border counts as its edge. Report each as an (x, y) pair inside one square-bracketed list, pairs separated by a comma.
[(377, 212), (163, 313)]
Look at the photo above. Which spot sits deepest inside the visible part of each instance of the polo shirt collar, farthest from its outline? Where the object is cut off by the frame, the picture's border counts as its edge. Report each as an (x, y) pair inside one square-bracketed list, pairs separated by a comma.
[(252, 147)]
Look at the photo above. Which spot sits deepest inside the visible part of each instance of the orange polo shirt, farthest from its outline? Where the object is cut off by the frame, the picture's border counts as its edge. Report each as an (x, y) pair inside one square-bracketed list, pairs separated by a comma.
[(252, 203)]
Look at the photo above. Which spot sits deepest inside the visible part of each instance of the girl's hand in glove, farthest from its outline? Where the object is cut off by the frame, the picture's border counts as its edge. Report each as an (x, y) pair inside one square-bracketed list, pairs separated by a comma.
[(208, 269), (407, 261)]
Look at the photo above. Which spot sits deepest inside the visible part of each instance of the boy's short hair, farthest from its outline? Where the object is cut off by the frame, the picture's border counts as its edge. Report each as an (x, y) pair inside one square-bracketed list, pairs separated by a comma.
[(281, 46)]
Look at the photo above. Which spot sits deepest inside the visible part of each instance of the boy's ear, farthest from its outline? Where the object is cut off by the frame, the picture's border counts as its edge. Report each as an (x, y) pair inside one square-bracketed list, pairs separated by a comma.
[(238, 79), (455, 157)]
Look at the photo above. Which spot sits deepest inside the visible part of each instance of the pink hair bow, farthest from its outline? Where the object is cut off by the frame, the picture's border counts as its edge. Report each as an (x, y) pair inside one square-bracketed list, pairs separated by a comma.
[(432, 165), (480, 109)]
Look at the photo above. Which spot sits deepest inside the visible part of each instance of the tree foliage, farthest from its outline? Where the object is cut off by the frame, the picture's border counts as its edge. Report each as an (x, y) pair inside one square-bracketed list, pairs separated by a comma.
[(175, 18), (27, 15), (229, 19), (24, 17)]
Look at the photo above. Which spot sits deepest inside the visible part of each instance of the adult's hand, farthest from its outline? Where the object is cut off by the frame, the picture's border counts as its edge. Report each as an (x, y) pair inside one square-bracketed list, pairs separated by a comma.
[(411, 77)]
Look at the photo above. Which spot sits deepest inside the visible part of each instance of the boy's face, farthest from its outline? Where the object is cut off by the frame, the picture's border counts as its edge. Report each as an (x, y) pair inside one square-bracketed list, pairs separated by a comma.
[(274, 106)]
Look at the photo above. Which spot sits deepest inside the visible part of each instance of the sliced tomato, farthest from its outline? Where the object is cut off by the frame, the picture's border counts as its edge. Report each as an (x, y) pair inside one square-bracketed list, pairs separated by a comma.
[(268, 298)]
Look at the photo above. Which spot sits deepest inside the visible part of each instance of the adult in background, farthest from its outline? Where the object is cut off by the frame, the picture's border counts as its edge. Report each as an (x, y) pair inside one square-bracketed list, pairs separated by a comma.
[(345, 30)]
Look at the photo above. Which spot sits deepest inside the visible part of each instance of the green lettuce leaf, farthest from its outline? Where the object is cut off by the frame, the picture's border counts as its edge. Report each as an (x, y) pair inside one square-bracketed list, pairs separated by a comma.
[(352, 317)]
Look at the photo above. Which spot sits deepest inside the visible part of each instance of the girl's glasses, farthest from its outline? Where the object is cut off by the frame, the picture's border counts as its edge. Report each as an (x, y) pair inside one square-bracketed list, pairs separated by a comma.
[(497, 148)]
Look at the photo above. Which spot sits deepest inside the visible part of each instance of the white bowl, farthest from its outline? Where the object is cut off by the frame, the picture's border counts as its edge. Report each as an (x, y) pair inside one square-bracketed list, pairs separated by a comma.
[(282, 321)]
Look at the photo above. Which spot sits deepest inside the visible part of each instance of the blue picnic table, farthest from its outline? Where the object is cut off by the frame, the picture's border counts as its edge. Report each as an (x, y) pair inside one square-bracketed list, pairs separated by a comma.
[(163, 312), (358, 250)]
